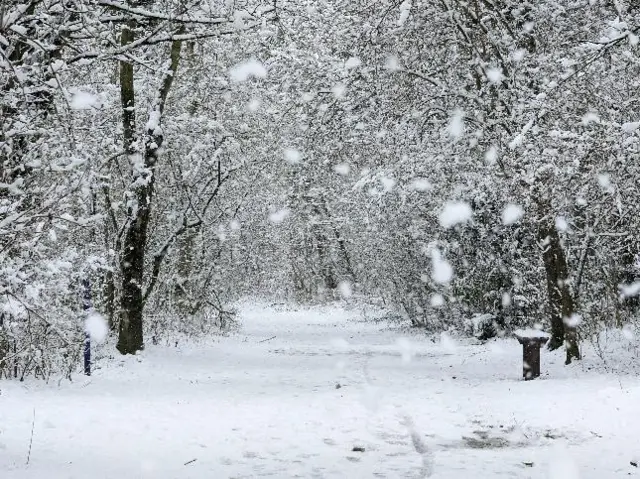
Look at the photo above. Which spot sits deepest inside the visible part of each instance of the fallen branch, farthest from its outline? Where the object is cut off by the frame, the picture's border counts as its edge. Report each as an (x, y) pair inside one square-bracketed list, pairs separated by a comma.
[(268, 339)]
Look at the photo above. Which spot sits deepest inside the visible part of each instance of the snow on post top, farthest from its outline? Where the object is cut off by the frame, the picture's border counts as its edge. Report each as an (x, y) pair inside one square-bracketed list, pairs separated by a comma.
[(531, 334)]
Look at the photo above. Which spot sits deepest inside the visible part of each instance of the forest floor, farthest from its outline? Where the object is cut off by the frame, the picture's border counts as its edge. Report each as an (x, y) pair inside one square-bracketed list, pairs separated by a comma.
[(323, 393)]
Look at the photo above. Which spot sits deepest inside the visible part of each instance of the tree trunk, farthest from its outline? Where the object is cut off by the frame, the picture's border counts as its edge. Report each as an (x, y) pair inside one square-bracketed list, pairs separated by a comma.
[(561, 300), (134, 247), (109, 298), (130, 338), (340, 240), (110, 229), (561, 303)]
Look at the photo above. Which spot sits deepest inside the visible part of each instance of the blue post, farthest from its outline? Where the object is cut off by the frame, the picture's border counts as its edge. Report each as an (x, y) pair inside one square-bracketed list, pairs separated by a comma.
[(86, 305)]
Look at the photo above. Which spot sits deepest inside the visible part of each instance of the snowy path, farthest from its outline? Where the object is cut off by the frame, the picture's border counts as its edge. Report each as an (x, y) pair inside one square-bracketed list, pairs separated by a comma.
[(244, 408)]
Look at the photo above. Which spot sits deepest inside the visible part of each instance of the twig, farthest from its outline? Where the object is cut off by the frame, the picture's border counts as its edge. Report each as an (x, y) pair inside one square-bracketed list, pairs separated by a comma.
[(33, 425), (190, 462), (268, 339)]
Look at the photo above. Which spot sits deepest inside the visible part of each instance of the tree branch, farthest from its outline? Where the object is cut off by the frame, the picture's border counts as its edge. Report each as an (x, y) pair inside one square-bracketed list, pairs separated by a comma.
[(161, 16)]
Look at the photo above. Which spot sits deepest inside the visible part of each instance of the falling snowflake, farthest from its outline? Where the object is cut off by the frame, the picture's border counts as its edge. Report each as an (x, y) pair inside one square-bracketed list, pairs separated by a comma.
[(392, 63), (573, 321), (243, 71), (253, 105), (405, 10), (387, 184), (279, 216), (442, 272), (437, 300), (455, 212), (292, 156), (83, 100), (491, 155), (456, 125), (590, 117), (345, 290), (630, 290), (506, 300), (406, 349), (342, 169), (495, 76), (518, 55), (604, 180), (339, 90), (96, 327), (420, 184), (561, 224), (353, 62), (447, 342), (511, 214)]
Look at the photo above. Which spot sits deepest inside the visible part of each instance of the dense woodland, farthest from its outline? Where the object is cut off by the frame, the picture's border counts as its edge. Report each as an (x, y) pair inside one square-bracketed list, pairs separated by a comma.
[(446, 159)]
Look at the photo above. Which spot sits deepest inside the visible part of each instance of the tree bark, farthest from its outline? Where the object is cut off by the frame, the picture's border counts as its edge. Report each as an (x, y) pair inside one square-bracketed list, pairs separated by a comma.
[(134, 248), (561, 303), (130, 338), (109, 278)]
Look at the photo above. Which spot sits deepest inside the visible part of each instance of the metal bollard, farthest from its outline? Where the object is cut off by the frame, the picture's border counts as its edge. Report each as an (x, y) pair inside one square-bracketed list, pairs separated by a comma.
[(532, 341)]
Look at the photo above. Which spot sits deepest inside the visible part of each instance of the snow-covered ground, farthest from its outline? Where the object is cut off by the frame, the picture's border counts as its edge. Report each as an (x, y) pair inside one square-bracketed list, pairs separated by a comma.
[(297, 404)]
